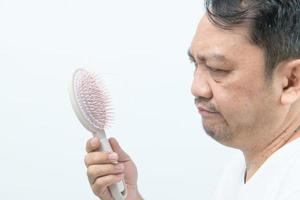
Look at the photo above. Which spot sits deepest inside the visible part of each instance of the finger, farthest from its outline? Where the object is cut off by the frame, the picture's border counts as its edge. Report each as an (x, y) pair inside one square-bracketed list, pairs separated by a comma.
[(100, 185), (123, 156), (92, 144), (100, 157), (96, 171)]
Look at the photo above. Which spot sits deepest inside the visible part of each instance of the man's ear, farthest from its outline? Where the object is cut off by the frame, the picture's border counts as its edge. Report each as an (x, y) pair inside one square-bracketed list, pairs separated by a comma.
[(290, 71)]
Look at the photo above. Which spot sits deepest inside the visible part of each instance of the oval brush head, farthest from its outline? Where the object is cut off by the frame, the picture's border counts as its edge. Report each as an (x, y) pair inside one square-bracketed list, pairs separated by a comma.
[(91, 101), (91, 104)]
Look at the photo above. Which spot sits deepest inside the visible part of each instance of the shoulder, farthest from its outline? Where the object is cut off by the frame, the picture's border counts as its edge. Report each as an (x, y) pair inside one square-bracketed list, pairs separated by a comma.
[(290, 182), (292, 175)]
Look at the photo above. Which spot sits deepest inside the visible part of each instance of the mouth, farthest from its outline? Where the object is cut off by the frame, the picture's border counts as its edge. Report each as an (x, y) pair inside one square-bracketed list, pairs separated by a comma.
[(205, 112)]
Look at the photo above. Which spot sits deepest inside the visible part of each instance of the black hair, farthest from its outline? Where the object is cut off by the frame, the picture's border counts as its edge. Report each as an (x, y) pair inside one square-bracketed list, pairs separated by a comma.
[(274, 25)]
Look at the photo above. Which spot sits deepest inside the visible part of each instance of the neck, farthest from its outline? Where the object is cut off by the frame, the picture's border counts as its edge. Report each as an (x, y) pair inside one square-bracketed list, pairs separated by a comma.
[(254, 159)]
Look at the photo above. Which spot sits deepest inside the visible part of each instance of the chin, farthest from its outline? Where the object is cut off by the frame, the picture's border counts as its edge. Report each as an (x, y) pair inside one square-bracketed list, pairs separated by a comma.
[(220, 134)]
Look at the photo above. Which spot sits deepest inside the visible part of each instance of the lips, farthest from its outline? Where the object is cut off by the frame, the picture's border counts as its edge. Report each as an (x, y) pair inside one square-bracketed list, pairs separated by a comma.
[(205, 112), (203, 109)]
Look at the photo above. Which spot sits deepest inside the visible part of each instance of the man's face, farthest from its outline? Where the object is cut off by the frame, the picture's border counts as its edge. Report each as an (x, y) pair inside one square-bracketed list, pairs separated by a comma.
[(230, 81)]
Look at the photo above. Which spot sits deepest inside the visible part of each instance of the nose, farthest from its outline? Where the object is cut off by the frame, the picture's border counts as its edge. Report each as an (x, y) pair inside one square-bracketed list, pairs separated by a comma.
[(200, 86)]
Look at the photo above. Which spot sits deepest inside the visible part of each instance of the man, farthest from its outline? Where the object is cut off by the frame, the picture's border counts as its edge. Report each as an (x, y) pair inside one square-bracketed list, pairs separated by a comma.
[(247, 90)]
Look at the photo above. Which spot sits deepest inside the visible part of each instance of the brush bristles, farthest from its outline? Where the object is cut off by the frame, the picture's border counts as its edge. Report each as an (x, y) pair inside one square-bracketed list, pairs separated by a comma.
[(93, 99)]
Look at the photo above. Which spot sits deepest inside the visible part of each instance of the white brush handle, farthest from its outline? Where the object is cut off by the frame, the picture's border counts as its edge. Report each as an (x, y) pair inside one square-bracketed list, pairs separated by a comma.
[(118, 190)]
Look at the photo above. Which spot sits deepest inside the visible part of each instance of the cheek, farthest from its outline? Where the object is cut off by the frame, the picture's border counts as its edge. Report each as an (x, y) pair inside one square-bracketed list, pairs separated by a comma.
[(238, 104)]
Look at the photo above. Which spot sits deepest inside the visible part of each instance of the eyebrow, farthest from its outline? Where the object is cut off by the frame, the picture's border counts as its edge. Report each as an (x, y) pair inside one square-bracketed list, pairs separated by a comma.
[(213, 56)]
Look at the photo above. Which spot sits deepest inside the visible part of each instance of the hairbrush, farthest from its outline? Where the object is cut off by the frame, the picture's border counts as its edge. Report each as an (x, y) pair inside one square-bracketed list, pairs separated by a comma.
[(91, 103)]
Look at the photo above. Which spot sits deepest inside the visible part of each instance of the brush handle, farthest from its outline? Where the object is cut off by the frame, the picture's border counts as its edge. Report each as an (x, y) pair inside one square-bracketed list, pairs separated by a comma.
[(118, 190)]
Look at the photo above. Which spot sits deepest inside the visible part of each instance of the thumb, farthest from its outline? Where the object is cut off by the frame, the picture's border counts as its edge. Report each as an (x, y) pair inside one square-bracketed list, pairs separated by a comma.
[(123, 156)]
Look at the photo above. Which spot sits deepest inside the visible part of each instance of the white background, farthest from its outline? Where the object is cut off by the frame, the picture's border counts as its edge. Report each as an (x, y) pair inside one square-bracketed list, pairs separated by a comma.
[(139, 47)]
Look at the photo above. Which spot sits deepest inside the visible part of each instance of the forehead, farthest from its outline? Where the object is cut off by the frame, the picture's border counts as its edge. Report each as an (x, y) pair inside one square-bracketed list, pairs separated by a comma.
[(210, 40)]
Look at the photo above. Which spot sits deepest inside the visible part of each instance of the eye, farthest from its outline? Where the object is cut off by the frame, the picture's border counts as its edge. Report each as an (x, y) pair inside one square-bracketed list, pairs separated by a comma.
[(195, 64), (216, 70)]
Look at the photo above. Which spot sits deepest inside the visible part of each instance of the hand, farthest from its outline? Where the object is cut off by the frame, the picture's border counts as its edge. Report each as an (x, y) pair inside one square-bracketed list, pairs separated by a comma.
[(103, 171)]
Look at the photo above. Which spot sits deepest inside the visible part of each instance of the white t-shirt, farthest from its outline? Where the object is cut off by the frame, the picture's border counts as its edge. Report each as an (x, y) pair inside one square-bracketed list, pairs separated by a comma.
[(277, 179)]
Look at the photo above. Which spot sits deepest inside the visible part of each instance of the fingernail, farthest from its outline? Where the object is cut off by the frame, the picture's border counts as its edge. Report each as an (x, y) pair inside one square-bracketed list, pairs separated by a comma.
[(112, 156), (94, 142)]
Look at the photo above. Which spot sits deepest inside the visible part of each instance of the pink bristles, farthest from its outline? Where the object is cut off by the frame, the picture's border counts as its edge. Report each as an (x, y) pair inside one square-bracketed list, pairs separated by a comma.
[(93, 99)]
